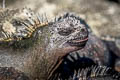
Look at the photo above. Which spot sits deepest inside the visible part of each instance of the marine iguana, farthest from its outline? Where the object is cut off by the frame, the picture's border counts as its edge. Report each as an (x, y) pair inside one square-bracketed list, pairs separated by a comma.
[(96, 51), (65, 34)]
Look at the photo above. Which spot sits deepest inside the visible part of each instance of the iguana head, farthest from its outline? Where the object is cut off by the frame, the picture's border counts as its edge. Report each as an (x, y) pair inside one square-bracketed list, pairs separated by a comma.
[(69, 32)]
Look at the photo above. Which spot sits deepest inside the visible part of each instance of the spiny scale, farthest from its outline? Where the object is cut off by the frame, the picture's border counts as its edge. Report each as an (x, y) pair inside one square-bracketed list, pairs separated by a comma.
[(94, 73), (35, 22), (30, 24), (66, 14), (91, 73)]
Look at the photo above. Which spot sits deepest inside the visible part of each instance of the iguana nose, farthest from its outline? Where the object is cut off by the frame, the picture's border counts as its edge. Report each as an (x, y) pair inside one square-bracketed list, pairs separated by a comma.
[(84, 32)]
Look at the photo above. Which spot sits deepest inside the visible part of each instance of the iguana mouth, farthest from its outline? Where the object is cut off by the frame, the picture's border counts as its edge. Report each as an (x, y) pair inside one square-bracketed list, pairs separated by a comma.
[(78, 42)]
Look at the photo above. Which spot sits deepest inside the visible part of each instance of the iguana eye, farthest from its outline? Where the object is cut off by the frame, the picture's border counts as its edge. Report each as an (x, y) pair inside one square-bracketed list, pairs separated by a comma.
[(65, 32), (16, 22)]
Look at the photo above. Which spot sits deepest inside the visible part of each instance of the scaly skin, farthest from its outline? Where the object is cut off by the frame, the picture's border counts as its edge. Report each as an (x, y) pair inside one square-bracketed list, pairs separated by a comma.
[(67, 31)]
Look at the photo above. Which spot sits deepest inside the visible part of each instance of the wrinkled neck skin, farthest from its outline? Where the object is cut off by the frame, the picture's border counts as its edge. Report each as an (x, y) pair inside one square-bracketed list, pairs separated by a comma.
[(65, 49)]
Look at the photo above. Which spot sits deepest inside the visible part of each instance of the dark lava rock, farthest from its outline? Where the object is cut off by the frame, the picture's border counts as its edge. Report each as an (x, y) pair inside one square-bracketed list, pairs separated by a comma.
[(10, 73)]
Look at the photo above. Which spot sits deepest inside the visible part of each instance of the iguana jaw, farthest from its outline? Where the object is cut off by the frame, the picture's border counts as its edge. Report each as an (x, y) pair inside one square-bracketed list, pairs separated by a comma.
[(78, 43), (70, 47)]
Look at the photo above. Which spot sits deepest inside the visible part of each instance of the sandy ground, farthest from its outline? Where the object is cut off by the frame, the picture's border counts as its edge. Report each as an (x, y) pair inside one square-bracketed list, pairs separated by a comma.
[(101, 15)]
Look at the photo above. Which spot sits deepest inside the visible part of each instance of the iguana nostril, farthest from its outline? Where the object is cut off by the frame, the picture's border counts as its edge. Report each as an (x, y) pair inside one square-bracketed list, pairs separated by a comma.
[(83, 30), (71, 25)]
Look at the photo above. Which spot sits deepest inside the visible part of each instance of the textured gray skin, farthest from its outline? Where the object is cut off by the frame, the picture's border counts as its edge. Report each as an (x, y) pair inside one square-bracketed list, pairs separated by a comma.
[(66, 30)]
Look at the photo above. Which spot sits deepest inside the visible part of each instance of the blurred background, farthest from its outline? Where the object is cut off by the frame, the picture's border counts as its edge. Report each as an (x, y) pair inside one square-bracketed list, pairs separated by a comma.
[(103, 16)]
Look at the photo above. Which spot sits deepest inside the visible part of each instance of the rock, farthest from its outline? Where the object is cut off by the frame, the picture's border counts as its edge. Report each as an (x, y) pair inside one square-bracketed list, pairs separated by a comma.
[(10, 73)]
